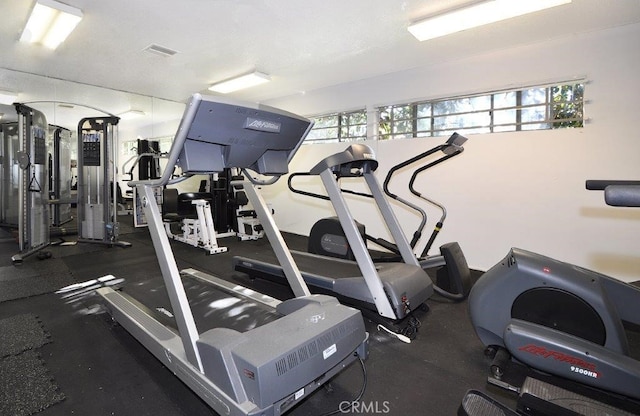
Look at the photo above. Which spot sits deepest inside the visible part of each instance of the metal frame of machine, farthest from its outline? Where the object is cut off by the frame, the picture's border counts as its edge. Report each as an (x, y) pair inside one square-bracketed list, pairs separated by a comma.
[(27, 164), (97, 187)]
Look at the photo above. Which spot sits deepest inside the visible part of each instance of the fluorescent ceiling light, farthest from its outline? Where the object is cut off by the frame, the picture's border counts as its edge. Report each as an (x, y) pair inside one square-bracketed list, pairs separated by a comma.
[(131, 114), (477, 15), (8, 98), (50, 23), (241, 82)]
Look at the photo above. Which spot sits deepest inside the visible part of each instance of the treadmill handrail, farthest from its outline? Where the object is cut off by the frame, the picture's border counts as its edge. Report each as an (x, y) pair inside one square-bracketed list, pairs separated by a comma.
[(318, 196)]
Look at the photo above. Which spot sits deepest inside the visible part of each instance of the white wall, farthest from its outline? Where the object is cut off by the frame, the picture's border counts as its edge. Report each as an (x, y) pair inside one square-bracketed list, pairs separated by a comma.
[(521, 189)]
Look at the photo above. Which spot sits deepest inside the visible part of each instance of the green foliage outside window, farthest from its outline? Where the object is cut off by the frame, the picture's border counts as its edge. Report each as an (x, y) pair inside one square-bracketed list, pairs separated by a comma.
[(533, 108)]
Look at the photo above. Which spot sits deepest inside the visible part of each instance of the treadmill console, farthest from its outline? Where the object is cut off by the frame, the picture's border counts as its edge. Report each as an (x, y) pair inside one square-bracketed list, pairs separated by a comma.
[(230, 134)]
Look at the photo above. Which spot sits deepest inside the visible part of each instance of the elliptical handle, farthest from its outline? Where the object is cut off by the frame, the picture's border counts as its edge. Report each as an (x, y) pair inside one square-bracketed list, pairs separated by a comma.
[(394, 169), (430, 165), (601, 184), (617, 193), (622, 195)]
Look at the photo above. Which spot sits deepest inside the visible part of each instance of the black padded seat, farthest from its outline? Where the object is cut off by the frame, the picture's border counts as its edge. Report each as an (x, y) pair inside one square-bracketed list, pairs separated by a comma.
[(176, 207)]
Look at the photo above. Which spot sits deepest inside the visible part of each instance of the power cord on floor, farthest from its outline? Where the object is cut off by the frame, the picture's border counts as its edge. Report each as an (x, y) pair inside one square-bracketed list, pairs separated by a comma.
[(401, 337), (340, 410)]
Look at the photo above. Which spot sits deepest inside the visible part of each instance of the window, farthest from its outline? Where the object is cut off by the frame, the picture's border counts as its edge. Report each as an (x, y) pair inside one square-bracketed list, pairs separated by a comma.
[(339, 127), (129, 148), (536, 108)]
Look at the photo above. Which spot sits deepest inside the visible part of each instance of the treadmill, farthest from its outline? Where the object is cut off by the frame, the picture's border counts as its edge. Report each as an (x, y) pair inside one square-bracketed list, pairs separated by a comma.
[(303, 342), (392, 290)]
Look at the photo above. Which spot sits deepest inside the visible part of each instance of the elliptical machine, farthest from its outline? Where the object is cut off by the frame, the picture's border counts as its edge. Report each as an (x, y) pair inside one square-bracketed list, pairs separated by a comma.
[(564, 321)]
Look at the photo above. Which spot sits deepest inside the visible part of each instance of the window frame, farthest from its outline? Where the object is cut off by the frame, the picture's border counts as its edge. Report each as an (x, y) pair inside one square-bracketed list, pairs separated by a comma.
[(342, 125), (549, 122), (409, 123)]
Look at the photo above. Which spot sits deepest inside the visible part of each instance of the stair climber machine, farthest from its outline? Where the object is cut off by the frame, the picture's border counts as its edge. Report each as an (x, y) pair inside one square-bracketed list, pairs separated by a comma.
[(453, 276), (559, 334), (387, 293), (268, 369)]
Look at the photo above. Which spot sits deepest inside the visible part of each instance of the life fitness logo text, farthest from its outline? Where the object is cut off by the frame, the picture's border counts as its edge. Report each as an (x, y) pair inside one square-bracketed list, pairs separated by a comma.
[(578, 365), (262, 125)]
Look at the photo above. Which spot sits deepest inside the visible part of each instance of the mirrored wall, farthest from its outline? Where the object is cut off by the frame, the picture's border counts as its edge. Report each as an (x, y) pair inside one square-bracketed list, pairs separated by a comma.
[(65, 103)]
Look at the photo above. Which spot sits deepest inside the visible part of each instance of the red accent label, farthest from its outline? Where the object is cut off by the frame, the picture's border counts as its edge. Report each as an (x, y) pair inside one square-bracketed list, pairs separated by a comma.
[(575, 362)]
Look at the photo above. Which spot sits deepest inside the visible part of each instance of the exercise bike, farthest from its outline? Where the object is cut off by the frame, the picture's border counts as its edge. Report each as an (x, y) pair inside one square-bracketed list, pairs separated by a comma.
[(560, 320)]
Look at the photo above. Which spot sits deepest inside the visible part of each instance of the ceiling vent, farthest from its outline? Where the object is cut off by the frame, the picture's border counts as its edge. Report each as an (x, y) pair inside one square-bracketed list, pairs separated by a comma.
[(160, 50)]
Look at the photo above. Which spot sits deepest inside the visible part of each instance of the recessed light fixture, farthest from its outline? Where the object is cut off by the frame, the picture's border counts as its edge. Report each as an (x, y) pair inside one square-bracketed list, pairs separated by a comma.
[(8, 98), (160, 50), (477, 15), (240, 82), (131, 114), (50, 23)]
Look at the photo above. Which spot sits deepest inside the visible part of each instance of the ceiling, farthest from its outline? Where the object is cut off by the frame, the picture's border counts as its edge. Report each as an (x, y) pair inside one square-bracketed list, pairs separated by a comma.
[(304, 45)]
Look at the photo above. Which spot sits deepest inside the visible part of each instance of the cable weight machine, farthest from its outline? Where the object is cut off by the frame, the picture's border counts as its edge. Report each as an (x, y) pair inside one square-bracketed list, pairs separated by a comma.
[(97, 187)]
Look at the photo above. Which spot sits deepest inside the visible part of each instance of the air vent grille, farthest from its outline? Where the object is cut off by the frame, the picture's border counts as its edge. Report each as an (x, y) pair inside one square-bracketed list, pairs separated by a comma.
[(292, 359), (313, 348), (281, 366), (308, 351), (303, 354), (325, 340)]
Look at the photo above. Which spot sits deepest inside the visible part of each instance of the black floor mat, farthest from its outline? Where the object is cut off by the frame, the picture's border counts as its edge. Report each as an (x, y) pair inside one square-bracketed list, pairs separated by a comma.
[(26, 385), (21, 333), (103, 370), (33, 278)]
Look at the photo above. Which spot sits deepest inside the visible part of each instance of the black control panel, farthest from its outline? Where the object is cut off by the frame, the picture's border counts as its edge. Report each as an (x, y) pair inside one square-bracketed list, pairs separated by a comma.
[(40, 146), (91, 149)]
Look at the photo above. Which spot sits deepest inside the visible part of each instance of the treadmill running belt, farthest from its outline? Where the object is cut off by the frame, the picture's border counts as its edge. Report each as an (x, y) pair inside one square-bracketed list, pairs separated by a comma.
[(212, 307), (315, 264)]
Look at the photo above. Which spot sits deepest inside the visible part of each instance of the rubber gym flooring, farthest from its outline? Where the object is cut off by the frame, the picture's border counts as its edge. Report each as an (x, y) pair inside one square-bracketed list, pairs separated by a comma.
[(65, 356)]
